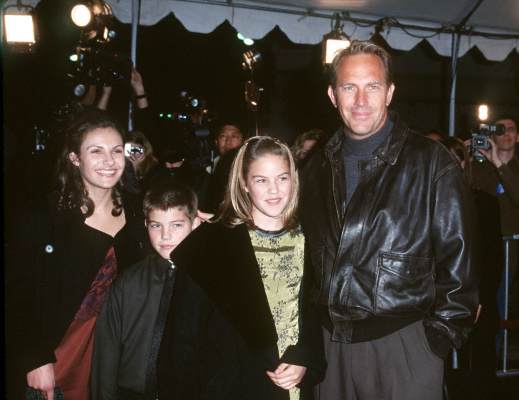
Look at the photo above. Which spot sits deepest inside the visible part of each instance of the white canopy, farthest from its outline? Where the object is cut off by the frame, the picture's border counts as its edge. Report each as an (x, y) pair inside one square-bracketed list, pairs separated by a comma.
[(493, 28), (306, 21)]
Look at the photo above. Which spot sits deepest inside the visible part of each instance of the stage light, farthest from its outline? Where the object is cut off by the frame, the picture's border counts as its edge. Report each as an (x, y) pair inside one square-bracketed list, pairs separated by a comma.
[(483, 112), (81, 15), (334, 42), (248, 41), (240, 36), (73, 58), (19, 26), (94, 17)]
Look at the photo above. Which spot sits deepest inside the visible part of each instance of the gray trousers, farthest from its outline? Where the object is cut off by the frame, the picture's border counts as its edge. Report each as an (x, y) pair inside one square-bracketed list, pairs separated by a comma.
[(399, 366)]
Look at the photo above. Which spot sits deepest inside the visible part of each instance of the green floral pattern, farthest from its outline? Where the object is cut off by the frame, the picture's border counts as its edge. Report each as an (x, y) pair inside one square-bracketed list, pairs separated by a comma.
[(280, 259)]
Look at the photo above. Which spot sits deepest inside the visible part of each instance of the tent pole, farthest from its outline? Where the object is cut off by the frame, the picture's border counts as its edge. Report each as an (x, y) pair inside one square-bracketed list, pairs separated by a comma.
[(452, 100), (136, 12)]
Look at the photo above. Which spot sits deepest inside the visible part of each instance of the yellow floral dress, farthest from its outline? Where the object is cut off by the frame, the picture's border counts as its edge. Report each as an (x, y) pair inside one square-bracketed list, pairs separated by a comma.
[(280, 257)]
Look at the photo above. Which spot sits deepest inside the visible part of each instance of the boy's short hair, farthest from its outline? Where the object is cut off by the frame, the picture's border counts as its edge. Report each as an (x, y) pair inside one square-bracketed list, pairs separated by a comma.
[(166, 194)]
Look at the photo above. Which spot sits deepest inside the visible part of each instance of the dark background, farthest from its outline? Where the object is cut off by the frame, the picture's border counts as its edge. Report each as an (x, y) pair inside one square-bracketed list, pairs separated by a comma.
[(172, 59)]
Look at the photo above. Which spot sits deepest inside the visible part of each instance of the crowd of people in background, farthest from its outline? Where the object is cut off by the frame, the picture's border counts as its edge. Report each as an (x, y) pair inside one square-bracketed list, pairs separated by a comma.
[(195, 266)]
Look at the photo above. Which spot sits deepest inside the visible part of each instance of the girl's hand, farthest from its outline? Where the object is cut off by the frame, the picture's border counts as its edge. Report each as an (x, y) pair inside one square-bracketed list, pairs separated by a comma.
[(42, 378), (287, 376)]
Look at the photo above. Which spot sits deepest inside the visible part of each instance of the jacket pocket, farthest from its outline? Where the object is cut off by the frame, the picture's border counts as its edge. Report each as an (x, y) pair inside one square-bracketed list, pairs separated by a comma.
[(404, 284)]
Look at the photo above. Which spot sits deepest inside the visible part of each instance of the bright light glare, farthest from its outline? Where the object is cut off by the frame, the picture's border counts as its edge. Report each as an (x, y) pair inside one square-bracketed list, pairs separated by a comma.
[(19, 28), (333, 46), (248, 42), (483, 112), (240, 36), (73, 57), (80, 15)]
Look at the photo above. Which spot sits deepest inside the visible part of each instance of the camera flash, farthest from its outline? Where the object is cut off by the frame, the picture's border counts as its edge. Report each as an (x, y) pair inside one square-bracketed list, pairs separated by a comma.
[(483, 112)]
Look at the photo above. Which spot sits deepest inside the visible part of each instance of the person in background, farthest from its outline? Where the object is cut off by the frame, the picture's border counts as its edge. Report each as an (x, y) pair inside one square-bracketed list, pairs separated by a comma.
[(228, 141), (435, 135), (139, 153), (253, 336), (305, 143), (229, 137), (387, 216), (498, 175), (478, 356), (66, 255), (129, 328)]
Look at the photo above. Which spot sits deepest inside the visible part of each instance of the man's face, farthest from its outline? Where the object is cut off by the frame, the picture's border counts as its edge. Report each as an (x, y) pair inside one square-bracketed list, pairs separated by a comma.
[(507, 141), (229, 138), (362, 94)]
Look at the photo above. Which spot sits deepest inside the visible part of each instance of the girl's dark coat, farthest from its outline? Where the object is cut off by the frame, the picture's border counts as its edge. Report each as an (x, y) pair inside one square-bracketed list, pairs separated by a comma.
[(219, 346)]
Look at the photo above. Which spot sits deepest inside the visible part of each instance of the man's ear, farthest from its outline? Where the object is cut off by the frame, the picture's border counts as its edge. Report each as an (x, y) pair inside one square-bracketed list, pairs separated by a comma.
[(331, 95), (389, 94), (74, 159)]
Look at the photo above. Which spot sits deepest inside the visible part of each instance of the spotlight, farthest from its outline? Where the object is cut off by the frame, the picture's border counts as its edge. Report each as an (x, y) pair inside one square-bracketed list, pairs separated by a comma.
[(483, 112), (94, 17), (81, 15), (19, 27), (334, 42)]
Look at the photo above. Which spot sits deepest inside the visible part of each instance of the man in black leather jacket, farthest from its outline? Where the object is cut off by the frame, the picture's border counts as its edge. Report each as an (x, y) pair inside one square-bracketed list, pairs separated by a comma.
[(386, 213)]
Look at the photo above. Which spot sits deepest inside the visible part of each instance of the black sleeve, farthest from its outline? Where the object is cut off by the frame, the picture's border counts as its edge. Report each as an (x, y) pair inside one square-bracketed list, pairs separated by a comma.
[(107, 345), (309, 351)]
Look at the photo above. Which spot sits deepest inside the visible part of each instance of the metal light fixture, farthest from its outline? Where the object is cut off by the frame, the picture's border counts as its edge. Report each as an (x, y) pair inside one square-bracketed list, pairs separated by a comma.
[(334, 41), (19, 26), (250, 59)]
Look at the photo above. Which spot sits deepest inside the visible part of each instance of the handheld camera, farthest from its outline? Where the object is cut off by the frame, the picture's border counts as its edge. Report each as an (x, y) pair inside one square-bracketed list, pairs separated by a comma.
[(480, 138), (131, 149)]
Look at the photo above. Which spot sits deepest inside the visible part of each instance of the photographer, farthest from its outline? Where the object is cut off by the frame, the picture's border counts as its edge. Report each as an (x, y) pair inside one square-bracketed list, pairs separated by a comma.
[(498, 175)]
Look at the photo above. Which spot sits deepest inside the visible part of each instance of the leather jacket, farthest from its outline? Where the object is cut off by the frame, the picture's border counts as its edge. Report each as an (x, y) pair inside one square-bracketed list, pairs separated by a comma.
[(402, 247)]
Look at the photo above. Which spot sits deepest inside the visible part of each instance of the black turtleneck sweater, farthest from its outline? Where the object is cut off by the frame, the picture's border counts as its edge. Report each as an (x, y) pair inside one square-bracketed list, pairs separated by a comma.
[(355, 151)]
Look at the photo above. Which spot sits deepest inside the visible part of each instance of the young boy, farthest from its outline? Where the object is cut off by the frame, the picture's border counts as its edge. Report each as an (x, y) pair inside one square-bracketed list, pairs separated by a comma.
[(130, 325)]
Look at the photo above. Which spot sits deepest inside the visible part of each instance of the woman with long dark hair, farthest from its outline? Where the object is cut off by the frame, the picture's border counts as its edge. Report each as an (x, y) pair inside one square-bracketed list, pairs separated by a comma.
[(68, 251)]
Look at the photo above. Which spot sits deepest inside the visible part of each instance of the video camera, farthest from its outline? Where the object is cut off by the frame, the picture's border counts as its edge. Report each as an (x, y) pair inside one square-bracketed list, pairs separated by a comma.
[(480, 138), (191, 127)]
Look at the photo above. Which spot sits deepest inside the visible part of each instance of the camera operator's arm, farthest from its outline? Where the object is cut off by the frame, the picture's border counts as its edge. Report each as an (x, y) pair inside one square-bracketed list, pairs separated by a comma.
[(144, 115), (509, 179), (102, 104), (141, 99)]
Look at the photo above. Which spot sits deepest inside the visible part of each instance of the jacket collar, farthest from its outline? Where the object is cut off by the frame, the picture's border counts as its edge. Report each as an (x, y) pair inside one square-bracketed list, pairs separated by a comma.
[(388, 152)]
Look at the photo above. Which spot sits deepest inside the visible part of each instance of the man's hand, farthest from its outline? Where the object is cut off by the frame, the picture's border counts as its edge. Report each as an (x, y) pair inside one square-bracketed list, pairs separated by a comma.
[(42, 378), (287, 376), (491, 154)]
